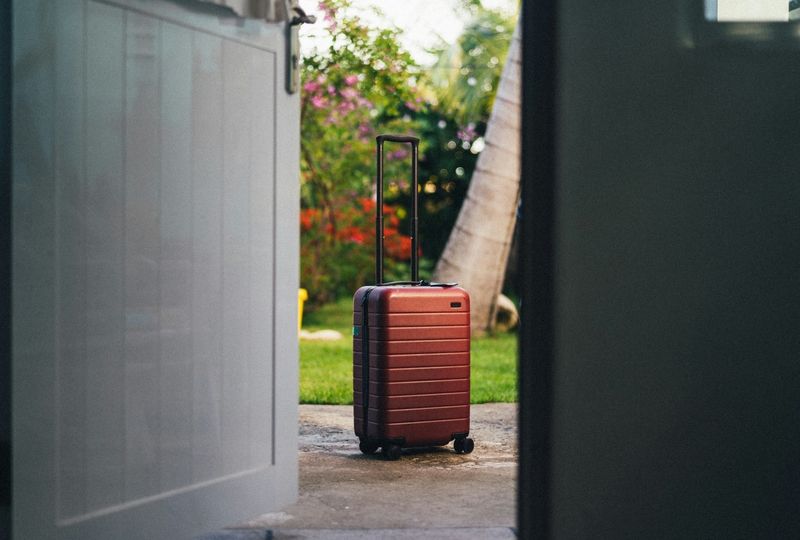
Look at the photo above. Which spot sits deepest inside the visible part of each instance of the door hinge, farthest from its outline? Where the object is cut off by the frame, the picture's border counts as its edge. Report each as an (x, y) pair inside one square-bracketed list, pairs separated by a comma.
[(293, 69)]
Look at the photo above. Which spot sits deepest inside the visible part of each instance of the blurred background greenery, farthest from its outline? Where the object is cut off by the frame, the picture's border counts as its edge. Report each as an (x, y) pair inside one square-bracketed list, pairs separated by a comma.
[(359, 80), (364, 82)]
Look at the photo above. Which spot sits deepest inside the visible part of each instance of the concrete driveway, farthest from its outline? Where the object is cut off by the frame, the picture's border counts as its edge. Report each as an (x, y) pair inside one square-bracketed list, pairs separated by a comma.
[(432, 493)]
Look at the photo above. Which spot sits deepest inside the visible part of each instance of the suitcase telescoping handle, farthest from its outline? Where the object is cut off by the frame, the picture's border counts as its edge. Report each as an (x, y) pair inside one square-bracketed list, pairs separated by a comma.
[(414, 142)]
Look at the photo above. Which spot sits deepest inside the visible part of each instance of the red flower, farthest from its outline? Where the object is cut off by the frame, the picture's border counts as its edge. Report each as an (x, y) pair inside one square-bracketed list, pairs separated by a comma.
[(307, 217), (368, 205), (354, 227), (357, 237)]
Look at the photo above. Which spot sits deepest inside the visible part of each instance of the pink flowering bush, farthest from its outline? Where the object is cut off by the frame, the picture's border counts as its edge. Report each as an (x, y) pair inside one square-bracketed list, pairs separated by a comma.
[(362, 85)]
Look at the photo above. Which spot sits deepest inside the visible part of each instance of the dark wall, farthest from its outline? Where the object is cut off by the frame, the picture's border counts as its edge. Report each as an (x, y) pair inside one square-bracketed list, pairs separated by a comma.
[(5, 269), (661, 330)]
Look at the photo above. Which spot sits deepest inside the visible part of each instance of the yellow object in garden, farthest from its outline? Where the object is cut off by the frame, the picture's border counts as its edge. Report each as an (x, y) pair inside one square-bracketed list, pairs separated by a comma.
[(302, 296)]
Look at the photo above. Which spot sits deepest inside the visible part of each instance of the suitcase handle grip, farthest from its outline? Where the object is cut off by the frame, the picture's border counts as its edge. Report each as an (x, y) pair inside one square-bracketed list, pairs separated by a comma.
[(397, 138), (422, 282), (414, 142)]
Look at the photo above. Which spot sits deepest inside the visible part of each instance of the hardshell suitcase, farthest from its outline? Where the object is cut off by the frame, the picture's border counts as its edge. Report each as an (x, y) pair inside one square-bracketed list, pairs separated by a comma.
[(411, 351)]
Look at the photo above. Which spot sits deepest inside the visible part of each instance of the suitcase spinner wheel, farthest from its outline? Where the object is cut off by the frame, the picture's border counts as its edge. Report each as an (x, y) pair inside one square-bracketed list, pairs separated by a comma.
[(367, 447), (464, 445), (392, 452)]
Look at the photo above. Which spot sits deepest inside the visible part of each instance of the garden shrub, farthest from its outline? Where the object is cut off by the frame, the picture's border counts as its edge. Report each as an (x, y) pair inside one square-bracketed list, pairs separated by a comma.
[(364, 84), (334, 263)]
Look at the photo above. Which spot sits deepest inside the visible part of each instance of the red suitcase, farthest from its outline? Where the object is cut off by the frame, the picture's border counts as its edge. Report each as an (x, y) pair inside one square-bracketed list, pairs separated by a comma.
[(410, 351)]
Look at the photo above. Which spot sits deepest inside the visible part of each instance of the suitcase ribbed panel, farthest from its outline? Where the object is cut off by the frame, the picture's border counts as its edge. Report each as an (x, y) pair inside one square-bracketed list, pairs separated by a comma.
[(397, 320), (388, 361), (418, 333), (413, 401), (408, 388), (418, 414), (433, 432), (419, 364), (415, 347), (413, 374)]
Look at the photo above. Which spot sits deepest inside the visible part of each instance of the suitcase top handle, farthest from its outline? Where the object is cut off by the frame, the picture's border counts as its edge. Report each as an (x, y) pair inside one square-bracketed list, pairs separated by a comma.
[(414, 142), (398, 138)]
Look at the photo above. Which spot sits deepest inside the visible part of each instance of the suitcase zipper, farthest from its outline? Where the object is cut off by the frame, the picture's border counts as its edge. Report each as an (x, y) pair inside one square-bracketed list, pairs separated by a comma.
[(422, 282), (365, 361)]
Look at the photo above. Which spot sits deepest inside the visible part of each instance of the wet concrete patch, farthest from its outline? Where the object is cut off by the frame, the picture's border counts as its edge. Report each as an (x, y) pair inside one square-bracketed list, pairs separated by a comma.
[(435, 488)]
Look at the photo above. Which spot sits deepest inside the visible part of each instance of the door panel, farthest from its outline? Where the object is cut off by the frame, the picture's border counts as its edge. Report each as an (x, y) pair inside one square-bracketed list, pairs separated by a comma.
[(206, 252), (154, 389), (175, 261), (103, 212), (672, 378), (71, 310)]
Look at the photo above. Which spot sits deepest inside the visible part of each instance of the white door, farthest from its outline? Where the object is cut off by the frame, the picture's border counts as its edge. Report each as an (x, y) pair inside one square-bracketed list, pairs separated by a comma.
[(155, 270)]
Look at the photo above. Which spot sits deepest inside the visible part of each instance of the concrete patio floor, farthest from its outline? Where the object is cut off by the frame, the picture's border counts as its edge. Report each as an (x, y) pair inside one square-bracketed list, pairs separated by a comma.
[(431, 493)]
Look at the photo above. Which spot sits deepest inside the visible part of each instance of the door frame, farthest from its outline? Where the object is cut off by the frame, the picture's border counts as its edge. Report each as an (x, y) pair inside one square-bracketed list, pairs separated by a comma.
[(536, 264), (6, 40)]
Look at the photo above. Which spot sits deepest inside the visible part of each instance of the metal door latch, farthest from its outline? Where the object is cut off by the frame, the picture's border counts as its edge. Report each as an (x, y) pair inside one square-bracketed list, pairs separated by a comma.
[(293, 73)]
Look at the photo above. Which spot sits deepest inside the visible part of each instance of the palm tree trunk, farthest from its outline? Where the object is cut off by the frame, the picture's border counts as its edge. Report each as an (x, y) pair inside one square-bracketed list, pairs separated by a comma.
[(477, 251)]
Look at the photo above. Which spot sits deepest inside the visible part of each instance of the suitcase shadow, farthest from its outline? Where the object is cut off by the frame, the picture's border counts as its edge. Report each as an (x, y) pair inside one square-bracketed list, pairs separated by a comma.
[(407, 452)]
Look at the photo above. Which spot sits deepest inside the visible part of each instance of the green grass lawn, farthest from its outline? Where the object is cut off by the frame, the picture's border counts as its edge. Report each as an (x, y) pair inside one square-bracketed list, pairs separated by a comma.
[(326, 368)]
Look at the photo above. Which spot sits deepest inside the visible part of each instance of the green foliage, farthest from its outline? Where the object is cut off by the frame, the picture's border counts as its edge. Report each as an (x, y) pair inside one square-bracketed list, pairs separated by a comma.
[(453, 127), (326, 368), (445, 170), (466, 74)]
